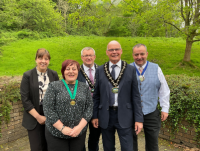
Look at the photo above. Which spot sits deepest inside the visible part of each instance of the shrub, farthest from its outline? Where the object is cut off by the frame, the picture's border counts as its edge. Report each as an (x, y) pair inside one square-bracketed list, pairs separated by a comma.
[(9, 93), (184, 103)]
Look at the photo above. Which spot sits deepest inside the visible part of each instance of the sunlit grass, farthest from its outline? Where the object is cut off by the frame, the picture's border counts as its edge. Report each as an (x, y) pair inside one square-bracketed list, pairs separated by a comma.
[(19, 56)]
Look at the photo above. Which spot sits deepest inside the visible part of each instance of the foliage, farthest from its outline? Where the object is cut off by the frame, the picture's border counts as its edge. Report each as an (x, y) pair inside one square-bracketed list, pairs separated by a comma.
[(38, 15), (89, 17), (94, 17), (147, 21), (8, 94), (11, 36), (184, 103)]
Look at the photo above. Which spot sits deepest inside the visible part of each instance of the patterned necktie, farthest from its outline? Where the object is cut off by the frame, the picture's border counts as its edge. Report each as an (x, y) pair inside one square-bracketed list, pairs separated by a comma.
[(140, 69), (91, 76), (112, 95)]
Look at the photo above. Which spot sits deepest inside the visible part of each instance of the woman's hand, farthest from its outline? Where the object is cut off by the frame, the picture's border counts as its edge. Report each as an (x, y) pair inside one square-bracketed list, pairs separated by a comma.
[(41, 119), (66, 130), (76, 131)]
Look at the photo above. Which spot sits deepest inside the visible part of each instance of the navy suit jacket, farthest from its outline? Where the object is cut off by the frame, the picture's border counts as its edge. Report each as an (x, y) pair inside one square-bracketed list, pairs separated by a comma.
[(129, 101)]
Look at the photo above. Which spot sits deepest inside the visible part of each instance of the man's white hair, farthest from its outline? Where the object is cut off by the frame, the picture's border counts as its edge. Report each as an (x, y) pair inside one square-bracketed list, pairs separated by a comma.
[(87, 48)]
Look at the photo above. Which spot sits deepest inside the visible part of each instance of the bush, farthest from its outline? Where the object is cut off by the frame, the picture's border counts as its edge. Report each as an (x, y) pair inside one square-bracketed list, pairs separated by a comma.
[(9, 93), (184, 103), (23, 34)]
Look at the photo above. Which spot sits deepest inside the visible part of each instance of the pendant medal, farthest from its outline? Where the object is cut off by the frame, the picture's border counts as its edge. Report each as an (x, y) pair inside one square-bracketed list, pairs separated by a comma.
[(92, 90), (72, 96), (72, 102), (115, 89), (141, 78)]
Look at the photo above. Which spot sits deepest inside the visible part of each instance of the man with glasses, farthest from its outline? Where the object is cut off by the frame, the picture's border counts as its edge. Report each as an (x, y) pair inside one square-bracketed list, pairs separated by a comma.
[(87, 75), (116, 100)]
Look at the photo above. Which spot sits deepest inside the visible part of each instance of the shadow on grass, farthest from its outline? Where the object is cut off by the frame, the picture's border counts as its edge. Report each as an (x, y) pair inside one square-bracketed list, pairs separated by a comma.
[(186, 65)]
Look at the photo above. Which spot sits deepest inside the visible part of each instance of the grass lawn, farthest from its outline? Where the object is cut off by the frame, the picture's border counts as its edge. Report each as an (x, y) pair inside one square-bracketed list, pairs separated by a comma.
[(19, 56)]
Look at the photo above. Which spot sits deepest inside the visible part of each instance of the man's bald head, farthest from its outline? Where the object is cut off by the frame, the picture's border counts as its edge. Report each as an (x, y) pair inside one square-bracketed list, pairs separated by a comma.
[(113, 42), (114, 51)]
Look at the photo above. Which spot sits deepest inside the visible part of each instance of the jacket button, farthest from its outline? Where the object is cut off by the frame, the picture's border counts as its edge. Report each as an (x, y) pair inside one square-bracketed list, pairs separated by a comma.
[(107, 109), (141, 101), (141, 94)]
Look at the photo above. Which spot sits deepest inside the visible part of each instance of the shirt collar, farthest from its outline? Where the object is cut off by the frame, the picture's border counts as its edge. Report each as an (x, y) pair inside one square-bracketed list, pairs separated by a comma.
[(142, 66), (119, 64), (41, 73), (87, 68)]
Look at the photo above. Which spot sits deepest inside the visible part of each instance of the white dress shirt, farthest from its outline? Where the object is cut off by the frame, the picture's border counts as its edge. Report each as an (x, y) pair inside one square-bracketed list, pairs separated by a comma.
[(86, 69), (117, 71), (164, 92)]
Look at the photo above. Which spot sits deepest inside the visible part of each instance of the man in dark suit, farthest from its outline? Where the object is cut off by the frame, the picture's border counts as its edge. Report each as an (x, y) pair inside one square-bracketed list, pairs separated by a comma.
[(87, 75), (116, 100)]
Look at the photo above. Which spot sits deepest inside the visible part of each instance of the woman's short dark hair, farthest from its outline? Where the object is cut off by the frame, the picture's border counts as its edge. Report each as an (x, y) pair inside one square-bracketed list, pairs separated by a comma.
[(41, 52), (67, 63)]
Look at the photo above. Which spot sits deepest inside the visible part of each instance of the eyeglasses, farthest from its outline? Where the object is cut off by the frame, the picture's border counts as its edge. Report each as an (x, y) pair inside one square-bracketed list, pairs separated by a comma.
[(87, 56), (116, 49)]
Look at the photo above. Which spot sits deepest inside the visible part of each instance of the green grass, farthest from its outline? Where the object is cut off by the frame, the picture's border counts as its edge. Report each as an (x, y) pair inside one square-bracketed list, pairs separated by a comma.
[(19, 56)]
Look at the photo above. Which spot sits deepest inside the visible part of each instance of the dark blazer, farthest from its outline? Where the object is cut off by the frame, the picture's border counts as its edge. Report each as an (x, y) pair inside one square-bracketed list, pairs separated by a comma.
[(129, 102), (29, 91), (81, 77)]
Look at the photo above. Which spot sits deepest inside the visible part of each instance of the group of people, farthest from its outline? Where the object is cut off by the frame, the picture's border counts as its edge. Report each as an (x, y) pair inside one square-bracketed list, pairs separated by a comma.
[(113, 97)]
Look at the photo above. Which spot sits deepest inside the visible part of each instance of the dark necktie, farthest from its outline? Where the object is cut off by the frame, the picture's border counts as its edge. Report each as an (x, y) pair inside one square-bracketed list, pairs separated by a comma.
[(113, 71), (112, 95)]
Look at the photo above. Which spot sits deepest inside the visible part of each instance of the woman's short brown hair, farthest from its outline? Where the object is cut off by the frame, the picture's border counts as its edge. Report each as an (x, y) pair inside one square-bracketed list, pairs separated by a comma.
[(67, 63), (41, 52)]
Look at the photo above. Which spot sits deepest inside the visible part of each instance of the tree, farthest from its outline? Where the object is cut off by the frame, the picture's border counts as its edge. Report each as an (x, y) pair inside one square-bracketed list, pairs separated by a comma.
[(189, 12), (156, 17)]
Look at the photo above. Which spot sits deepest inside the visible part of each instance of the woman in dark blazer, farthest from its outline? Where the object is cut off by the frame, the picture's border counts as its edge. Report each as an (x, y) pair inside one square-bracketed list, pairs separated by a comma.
[(33, 87)]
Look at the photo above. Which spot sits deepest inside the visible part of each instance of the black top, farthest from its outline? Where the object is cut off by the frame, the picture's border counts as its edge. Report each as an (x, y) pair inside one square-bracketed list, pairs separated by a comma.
[(56, 105)]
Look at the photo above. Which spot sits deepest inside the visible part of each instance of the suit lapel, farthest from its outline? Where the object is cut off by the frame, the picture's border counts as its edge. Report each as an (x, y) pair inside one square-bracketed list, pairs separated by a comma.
[(36, 86), (49, 73), (107, 82), (122, 79)]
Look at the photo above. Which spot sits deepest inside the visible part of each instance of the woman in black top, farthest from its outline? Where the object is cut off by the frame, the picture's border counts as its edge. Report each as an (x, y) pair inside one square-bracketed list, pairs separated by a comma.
[(68, 107), (33, 87)]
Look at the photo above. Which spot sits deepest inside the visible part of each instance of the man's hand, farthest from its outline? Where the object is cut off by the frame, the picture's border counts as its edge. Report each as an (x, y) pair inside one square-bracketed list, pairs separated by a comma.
[(95, 123), (164, 116), (138, 127)]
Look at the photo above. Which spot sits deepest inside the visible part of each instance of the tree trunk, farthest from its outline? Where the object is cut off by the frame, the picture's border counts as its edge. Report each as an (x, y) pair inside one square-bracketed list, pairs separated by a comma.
[(187, 50)]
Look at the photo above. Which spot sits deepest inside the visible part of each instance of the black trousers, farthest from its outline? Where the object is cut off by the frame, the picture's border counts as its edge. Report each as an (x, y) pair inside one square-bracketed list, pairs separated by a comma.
[(151, 126), (93, 140), (60, 144), (37, 136)]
